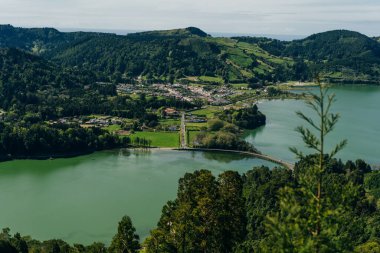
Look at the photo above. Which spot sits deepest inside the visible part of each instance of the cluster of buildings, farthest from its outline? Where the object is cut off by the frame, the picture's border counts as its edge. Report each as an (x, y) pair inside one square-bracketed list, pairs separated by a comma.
[(195, 119), (101, 121), (218, 95), (171, 113)]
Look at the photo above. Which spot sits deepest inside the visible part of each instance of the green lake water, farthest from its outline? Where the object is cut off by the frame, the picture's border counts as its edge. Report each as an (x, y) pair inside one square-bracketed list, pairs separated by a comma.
[(359, 108), (81, 200)]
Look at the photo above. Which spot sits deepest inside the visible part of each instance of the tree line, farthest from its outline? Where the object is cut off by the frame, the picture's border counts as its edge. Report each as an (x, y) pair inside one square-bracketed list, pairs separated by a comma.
[(43, 140)]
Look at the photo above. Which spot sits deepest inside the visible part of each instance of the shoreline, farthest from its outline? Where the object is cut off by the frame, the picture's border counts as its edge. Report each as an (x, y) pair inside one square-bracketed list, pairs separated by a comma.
[(8, 158), (72, 155), (305, 85), (264, 157)]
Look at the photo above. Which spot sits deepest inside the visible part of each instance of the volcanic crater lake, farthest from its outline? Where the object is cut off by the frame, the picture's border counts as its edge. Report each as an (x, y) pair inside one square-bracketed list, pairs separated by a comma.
[(81, 199)]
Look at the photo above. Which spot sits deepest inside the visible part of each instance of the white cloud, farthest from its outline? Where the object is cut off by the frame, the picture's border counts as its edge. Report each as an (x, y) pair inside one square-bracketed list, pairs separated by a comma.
[(237, 16)]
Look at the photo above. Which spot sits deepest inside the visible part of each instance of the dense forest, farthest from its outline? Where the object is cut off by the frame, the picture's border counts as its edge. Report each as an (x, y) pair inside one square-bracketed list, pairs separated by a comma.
[(247, 118), (229, 213), (165, 56), (45, 141)]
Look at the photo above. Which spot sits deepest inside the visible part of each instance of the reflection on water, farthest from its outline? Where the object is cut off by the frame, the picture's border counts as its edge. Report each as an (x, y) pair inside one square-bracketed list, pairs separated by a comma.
[(257, 131), (137, 152), (124, 152), (225, 157)]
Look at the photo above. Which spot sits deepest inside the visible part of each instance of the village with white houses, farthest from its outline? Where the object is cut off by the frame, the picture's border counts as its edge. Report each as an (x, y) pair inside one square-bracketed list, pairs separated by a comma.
[(213, 95)]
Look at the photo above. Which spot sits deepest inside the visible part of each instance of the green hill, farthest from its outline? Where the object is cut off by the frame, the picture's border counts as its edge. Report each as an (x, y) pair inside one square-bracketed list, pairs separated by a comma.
[(334, 46), (38, 40), (340, 55), (191, 55), (186, 32)]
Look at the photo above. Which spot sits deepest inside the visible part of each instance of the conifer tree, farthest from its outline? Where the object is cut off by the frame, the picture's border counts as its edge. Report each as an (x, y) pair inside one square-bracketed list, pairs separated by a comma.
[(308, 221)]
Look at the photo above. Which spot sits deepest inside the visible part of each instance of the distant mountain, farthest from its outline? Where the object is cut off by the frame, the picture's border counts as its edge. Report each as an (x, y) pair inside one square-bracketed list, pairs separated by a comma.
[(334, 46), (40, 40), (190, 54), (340, 55), (186, 32)]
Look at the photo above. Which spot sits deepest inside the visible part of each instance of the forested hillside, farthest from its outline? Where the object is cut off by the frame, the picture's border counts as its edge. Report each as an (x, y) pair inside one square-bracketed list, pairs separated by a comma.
[(38, 40), (34, 92), (189, 54), (339, 56), (30, 84)]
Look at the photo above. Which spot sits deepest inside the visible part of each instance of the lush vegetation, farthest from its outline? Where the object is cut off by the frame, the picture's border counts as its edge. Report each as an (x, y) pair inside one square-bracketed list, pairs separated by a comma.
[(372, 183), (197, 218), (224, 130), (339, 56), (221, 140), (324, 205), (36, 94), (30, 84), (247, 118), (182, 54), (42, 140), (125, 240)]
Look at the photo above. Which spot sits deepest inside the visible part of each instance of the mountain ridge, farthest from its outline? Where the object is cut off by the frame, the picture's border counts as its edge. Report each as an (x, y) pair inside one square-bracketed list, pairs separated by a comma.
[(338, 55)]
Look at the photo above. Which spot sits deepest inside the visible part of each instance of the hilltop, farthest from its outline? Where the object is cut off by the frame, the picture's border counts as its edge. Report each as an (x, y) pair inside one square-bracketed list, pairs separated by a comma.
[(185, 32), (191, 55)]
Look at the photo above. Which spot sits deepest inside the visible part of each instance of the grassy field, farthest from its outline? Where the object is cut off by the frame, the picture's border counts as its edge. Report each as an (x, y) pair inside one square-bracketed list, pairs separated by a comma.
[(112, 128), (211, 79), (195, 126), (209, 112), (170, 122), (159, 139), (240, 85), (191, 137)]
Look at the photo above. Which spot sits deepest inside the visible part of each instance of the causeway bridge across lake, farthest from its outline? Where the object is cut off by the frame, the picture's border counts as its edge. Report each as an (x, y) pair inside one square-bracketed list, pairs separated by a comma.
[(260, 156)]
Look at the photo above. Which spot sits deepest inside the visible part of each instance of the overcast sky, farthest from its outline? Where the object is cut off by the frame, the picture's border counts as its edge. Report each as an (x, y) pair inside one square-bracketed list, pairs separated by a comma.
[(283, 17)]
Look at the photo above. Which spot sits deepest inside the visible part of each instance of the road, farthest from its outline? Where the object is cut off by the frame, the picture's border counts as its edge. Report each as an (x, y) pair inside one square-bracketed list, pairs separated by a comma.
[(183, 132)]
